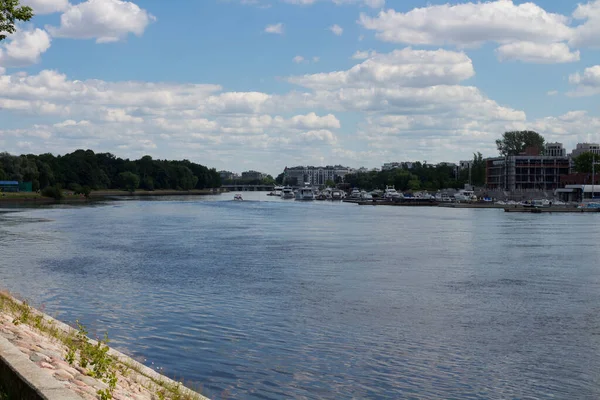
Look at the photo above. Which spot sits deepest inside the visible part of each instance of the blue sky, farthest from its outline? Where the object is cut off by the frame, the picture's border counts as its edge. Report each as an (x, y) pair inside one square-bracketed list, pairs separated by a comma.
[(261, 84)]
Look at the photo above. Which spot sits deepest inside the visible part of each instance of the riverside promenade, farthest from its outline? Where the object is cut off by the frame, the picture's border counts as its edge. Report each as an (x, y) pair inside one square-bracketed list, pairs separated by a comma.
[(39, 360)]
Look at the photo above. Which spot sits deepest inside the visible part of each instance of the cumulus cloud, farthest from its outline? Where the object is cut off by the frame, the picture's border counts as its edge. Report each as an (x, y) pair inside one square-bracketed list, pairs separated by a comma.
[(46, 6), (298, 59), (588, 83), (368, 3), (588, 33), (104, 20), (407, 67), (470, 24), (539, 53), (336, 29), (24, 48), (363, 55), (275, 29)]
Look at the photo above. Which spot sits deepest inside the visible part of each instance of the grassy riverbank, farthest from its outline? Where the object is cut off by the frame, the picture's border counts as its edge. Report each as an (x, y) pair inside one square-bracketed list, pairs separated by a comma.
[(69, 197), (87, 367)]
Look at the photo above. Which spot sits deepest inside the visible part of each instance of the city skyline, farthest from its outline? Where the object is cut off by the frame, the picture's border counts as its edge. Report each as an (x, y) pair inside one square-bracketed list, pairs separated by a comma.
[(250, 85)]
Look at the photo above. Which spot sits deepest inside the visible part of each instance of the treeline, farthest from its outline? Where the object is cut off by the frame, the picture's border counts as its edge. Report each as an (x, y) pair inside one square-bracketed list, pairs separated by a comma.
[(84, 168), (421, 176)]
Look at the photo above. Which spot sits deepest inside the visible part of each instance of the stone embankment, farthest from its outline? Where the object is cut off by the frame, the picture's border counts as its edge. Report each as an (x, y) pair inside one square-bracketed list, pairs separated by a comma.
[(39, 360)]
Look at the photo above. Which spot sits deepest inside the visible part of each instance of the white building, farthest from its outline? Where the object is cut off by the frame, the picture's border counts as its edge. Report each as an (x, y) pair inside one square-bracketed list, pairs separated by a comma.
[(316, 176), (585, 148), (555, 150)]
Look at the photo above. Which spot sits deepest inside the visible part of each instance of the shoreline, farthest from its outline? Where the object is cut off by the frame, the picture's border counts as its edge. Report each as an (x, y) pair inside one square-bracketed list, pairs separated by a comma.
[(99, 195), (43, 358)]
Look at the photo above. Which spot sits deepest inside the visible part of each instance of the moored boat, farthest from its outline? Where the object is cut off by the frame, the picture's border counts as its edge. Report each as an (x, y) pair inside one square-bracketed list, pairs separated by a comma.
[(305, 193), (237, 197), (287, 193)]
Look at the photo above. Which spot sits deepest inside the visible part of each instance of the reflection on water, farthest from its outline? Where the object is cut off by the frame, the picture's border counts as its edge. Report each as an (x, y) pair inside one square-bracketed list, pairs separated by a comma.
[(278, 299)]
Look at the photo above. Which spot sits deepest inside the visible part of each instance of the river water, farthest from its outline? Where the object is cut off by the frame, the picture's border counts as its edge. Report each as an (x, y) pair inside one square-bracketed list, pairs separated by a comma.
[(274, 299)]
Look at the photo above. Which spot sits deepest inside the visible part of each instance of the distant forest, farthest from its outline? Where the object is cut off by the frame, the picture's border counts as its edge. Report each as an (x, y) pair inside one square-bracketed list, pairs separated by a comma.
[(86, 169)]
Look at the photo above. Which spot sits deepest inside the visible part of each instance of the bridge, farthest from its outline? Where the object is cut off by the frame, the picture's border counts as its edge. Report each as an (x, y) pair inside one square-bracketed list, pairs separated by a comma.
[(249, 188)]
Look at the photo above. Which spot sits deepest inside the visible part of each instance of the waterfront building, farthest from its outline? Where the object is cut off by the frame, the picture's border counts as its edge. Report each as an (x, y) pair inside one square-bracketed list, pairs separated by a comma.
[(526, 172), (315, 176), (395, 165), (555, 150), (585, 148), (227, 175), (252, 175)]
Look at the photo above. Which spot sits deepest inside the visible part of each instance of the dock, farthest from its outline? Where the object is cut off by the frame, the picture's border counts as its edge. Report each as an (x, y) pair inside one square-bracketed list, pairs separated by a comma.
[(534, 210)]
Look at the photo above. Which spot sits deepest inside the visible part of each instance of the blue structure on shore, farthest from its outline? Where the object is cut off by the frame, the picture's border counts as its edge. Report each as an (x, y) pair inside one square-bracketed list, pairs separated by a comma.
[(15, 186), (9, 186)]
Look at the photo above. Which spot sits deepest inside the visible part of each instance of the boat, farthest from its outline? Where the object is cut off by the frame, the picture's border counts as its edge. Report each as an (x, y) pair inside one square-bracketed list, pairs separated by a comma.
[(321, 196), (278, 191), (305, 193), (327, 192), (465, 196), (355, 194), (287, 193), (337, 194), (391, 194), (237, 197), (364, 195)]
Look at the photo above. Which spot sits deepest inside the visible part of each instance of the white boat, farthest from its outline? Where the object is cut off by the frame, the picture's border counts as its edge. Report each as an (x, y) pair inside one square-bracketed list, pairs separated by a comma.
[(337, 194), (365, 195), (305, 193), (287, 193), (237, 197), (327, 192), (423, 196), (391, 193), (465, 196), (355, 194), (278, 191)]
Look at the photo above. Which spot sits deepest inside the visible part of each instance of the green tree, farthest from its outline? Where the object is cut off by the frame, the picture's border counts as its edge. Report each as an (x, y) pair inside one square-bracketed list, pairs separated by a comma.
[(129, 181), (10, 12), (583, 162), (478, 170), (515, 142), (329, 183), (54, 192), (279, 178)]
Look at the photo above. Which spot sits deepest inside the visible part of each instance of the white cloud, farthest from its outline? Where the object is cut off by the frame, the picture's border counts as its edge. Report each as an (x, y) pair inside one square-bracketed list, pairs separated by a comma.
[(407, 67), (336, 29), (470, 24), (105, 20), (368, 3), (588, 83), (363, 55), (298, 59), (539, 53), (588, 33), (70, 122), (275, 28), (24, 48), (316, 59), (46, 6), (552, 92)]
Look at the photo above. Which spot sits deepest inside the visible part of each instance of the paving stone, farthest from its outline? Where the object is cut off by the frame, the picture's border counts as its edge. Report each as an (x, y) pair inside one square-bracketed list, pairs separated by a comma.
[(62, 375), (37, 357), (44, 364)]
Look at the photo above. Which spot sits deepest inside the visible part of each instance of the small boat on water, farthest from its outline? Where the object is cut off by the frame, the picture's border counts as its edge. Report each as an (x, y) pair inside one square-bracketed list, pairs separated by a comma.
[(305, 193), (278, 191), (355, 194), (337, 194), (391, 194), (237, 197), (287, 193), (364, 195)]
